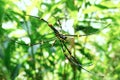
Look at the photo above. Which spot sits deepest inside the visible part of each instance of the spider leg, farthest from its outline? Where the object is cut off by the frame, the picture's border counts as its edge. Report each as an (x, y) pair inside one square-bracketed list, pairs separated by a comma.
[(71, 58)]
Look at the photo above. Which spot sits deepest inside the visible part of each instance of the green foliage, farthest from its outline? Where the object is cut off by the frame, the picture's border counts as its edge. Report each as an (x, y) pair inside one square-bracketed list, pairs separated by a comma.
[(30, 50)]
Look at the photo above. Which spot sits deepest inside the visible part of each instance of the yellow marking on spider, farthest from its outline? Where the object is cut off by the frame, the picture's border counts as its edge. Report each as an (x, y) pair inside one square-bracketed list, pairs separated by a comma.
[(78, 36)]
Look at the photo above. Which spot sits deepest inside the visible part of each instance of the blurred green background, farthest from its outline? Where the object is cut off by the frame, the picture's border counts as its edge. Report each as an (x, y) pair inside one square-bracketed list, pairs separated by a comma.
[(98, 51)]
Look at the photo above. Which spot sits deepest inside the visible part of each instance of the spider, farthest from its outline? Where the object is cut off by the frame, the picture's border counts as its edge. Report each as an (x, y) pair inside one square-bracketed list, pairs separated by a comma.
[(62, 40)]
